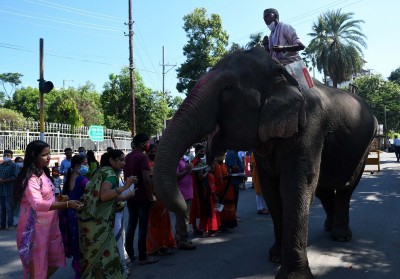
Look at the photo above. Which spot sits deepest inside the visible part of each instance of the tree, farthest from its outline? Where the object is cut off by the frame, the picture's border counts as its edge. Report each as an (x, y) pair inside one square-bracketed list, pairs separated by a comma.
[(381, 94), (26, 101), (14, 118), (12, 79), (88, 104), (150, 107), (65, 110), (234, 47), (206, 45), (173, 105), (337, 41), (84, 99), (255, 40), (395, 76)]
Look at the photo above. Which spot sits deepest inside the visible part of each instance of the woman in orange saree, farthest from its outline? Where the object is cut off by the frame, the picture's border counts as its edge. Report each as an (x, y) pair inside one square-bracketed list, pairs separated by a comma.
[(225, 194)]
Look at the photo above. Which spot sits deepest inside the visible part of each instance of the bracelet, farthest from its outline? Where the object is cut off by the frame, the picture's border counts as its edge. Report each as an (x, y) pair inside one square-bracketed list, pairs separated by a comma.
[(67, 204)]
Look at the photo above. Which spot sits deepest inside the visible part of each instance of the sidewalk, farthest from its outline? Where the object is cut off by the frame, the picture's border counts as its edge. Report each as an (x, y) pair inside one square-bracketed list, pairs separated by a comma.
[(372, 253)]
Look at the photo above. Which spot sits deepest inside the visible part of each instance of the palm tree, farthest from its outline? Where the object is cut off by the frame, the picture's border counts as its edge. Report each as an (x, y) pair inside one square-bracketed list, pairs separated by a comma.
[(337, 41), (255, 40)]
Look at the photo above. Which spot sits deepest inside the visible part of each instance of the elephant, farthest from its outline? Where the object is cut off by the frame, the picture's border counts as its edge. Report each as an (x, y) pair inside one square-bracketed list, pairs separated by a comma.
[(306, 143)]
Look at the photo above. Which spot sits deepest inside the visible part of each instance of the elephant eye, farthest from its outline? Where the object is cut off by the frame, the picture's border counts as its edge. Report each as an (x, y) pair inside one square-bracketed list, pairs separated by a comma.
[(228, 87)]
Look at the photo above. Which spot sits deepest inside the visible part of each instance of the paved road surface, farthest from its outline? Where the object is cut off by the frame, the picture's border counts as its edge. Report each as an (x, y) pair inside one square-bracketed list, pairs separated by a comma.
[(373, 252)]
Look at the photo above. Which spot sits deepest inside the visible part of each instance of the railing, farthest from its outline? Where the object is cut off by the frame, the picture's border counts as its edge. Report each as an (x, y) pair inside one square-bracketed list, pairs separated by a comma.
[(16, 136)]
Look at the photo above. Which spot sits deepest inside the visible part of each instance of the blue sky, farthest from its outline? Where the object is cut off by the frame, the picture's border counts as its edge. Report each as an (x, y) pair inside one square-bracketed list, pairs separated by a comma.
[(85, 41)]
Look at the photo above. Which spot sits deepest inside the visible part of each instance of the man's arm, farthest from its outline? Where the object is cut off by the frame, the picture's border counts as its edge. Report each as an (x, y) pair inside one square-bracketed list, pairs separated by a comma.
[(62, 168)]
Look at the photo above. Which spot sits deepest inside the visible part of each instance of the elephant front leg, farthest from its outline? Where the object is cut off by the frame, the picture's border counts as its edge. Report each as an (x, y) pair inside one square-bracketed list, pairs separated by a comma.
[(294, 261)]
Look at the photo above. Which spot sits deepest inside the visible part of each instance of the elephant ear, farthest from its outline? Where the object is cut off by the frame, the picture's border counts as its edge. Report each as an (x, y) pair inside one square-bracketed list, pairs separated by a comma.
[(283, 114)]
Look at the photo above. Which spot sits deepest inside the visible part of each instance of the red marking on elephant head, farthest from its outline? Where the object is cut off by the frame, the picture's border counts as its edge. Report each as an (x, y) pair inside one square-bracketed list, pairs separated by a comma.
[(203, 81)]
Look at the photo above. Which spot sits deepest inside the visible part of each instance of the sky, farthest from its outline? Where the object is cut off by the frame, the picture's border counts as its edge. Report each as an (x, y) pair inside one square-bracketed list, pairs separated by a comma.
[(86, 40)]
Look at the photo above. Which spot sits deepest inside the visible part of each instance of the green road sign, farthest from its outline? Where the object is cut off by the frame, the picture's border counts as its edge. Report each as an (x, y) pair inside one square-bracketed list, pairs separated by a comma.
[(96, 133)]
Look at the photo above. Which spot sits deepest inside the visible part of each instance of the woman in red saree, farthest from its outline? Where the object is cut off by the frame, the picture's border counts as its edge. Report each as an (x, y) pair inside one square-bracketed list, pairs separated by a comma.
[(200, 152), (159, 232)]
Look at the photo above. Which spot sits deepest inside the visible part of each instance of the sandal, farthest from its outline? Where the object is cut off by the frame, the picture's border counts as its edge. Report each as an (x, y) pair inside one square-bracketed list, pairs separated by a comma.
[(148, 260)]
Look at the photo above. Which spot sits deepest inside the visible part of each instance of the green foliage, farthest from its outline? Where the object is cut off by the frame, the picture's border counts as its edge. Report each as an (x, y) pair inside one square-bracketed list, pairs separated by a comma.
[(380, 93), (11, 79), (395, 76), (206, 45), (88, 103), (173, 105), (8, 116), (64, 110), (150, 107), (336, 44), (255, 40), (84, 99), (26, 101), (234, 47)]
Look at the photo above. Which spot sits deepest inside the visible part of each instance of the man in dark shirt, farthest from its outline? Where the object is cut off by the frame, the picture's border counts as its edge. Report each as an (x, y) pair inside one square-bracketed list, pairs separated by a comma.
[(8, 173), (234, 164), (137, 164)]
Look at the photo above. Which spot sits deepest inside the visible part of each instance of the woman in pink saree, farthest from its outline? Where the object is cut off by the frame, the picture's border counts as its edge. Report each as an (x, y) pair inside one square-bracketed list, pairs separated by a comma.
[(39, 241)]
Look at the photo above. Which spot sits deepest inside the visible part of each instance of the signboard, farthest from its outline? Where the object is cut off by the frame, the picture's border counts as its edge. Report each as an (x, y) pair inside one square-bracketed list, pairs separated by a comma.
[(96, 133)]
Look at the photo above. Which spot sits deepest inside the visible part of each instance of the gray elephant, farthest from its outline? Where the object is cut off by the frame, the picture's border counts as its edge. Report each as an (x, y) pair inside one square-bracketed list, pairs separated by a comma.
[(305, 143)]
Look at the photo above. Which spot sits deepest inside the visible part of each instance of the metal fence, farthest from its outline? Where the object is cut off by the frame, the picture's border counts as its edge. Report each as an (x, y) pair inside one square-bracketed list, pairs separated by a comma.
[(16, 136)]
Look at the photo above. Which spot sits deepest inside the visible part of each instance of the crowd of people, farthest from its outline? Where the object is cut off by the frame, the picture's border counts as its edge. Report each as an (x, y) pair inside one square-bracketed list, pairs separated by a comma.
[(85, 220)]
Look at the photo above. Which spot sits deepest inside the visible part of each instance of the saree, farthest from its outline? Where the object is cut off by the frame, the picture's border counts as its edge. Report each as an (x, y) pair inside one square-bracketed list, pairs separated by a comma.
[(99, 252), (159, 231), (69, 225), (226, 196)]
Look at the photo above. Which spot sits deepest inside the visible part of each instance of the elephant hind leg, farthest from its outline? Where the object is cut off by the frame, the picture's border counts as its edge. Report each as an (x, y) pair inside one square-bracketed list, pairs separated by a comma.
[(327, 197), (298, 274), (341, 231)]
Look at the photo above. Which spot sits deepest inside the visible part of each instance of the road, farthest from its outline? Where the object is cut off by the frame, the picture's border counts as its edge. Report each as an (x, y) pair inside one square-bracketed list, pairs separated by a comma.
[(372, 253)]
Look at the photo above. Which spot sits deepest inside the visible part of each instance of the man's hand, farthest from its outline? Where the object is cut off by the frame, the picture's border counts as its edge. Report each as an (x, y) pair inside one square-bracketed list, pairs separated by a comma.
[(279, 48), (189, 167)]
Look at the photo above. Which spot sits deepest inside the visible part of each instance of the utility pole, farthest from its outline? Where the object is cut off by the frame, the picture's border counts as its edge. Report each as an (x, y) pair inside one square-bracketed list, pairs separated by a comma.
[(65, 80), (44, 87), (131, 68), (164, 72), (386, 132)]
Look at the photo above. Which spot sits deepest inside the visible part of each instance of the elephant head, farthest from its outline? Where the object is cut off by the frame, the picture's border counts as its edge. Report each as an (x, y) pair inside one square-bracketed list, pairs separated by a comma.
[(249, 82)]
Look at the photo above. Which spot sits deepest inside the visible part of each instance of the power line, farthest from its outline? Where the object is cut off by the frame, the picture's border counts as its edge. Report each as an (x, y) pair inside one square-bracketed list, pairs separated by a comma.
[(77, 11), (72, 22)]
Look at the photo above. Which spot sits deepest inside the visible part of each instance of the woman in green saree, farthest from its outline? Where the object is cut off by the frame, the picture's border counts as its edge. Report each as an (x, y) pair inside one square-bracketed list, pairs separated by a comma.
[(99, 252)]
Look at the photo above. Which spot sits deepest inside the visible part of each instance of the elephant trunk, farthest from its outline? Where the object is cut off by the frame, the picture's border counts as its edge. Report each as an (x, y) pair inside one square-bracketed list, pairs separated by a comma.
[(194, 119)]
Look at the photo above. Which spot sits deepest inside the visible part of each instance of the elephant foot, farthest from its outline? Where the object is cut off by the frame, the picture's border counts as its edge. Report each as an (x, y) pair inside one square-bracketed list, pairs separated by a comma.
[(275, 254), (298, 274), (341, 235)]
